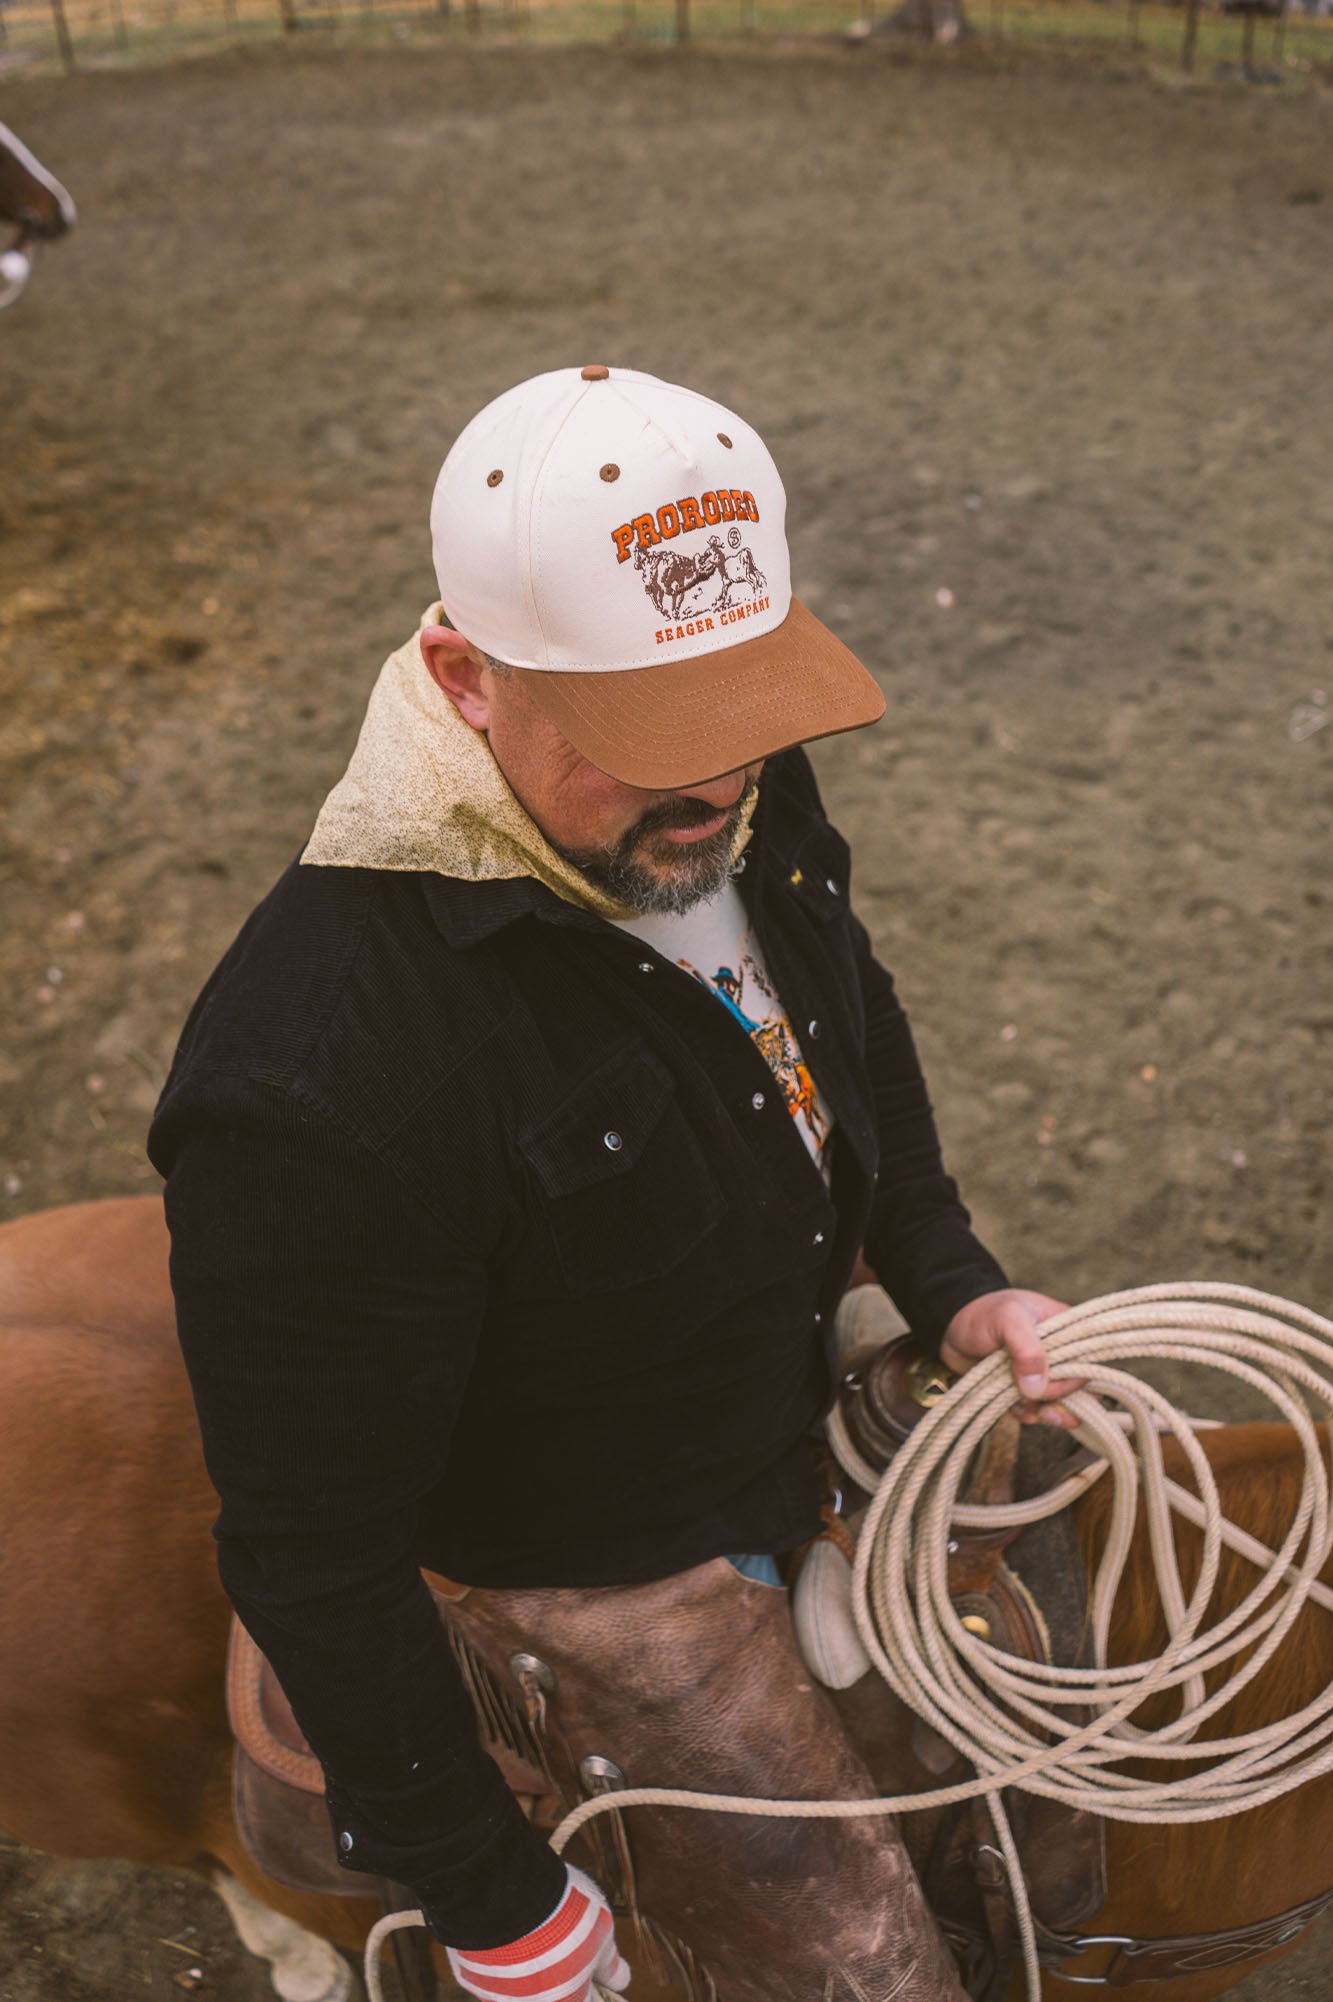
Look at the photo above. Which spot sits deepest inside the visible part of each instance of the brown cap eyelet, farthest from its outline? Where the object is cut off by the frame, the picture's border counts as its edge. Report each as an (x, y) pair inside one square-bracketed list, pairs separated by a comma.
[(594, 372), (494, 479), (610, 472), (723, 439)]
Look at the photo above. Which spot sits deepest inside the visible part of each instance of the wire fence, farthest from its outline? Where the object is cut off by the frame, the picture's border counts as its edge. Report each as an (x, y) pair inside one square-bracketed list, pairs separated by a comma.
[(1249, 40)]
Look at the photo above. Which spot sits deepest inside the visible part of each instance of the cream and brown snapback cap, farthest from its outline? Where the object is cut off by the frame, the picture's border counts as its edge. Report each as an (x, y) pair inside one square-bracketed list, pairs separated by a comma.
[(621, 542)]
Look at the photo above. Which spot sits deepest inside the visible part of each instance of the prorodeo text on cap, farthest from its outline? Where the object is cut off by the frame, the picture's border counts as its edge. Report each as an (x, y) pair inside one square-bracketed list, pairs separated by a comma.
[(679, 517)]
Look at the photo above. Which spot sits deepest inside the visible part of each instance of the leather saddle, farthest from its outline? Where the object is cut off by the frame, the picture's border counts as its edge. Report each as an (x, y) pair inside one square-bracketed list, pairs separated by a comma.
[(278, 1783), (1025, 1591)]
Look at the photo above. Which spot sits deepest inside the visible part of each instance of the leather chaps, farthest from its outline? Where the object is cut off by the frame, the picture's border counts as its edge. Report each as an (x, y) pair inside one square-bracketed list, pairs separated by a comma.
[(696, 1682)]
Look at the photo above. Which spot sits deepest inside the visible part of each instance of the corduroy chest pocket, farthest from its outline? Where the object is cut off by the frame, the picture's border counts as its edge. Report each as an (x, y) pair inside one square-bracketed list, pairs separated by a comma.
[(624, 1184)]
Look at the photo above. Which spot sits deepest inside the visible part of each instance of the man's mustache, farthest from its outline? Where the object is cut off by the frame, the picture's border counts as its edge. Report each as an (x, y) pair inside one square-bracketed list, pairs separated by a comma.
[(683, 814)]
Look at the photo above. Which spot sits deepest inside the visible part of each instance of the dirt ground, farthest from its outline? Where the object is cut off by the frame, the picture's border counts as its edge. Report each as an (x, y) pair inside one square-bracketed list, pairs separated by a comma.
[(1041, 348)]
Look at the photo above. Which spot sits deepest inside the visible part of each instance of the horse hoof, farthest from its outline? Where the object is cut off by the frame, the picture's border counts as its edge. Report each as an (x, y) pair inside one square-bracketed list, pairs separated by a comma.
[(302, 1967), (329, 1982), (15, 271)]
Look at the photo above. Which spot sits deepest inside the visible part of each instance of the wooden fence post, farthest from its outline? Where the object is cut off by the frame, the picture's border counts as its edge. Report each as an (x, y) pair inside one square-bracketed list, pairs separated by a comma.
[(63, 34), (1191, 36)]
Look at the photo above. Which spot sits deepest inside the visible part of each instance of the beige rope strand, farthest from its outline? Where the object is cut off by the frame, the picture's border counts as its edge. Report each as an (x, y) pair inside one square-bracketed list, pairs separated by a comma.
[(391, 1922), (1007, 1717)]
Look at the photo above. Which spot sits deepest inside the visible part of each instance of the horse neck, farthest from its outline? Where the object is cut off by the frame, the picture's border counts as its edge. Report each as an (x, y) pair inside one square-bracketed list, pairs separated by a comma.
[(1259, 1471), (1166, 1880)]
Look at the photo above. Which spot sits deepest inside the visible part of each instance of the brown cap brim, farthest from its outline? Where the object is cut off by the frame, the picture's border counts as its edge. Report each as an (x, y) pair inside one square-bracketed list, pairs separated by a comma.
[(681, 722)]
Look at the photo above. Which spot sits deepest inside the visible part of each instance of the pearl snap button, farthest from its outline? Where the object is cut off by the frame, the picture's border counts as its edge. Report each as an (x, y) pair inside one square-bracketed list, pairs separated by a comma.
[(645, 966), (830, 886), (345, 1843), (819, 1237), (813, 1032), (758, 1101), (612, 1141)]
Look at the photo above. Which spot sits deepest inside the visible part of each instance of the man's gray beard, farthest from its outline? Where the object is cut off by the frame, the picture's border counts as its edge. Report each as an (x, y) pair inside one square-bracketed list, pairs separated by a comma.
[(650, 895), (701, 871)]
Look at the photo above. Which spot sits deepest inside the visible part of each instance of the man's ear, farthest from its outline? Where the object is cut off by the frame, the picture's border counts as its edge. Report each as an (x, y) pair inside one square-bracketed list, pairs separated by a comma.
[(456, 669)]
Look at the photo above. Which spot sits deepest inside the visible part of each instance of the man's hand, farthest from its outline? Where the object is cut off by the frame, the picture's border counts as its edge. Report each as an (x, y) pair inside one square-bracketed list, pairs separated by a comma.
[(1009, 1320), (560, 1959)]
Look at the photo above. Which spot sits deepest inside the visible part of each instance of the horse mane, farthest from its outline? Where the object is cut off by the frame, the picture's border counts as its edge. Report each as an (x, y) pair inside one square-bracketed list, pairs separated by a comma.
[(1259, 1471)]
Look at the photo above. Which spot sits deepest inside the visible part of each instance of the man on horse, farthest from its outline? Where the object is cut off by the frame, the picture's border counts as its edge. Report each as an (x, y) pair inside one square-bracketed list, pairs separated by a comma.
[(521, 1147)]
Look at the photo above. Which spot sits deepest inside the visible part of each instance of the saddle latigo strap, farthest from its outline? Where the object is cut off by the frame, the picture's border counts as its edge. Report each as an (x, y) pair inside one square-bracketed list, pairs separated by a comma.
[(1136, 1960)]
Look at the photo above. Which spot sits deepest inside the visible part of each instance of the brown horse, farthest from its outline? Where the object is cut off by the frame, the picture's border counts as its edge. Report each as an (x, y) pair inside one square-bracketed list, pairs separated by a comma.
[(34, 201), (113, 1734)]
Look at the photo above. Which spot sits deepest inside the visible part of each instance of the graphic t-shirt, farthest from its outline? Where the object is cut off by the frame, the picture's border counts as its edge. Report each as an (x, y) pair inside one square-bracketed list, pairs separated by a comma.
[(715, 944)]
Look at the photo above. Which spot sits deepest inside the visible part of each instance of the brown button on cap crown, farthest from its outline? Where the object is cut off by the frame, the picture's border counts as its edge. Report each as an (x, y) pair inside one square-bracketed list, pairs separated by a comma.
[(594, 372)]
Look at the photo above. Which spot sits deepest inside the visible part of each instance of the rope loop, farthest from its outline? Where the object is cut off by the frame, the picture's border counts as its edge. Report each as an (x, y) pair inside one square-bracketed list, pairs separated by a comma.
[(1012, 1719)]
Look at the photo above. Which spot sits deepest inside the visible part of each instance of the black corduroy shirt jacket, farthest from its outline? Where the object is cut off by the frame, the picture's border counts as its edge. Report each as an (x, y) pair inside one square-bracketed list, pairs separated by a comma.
[(496, 1251)]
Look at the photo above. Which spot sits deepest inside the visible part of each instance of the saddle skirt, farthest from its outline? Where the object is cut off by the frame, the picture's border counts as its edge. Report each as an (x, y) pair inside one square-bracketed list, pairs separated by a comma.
[(278, 1783)]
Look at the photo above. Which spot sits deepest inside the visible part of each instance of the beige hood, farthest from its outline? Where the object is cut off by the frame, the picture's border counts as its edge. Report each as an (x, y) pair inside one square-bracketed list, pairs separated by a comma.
[(423, 791)]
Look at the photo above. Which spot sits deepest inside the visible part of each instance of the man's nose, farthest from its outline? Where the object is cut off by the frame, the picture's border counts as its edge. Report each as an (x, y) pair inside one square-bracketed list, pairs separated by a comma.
[(719, 793)]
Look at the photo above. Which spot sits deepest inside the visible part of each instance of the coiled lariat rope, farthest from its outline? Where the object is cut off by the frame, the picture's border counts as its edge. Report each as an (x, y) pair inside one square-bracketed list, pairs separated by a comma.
[(1011, 1718)]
